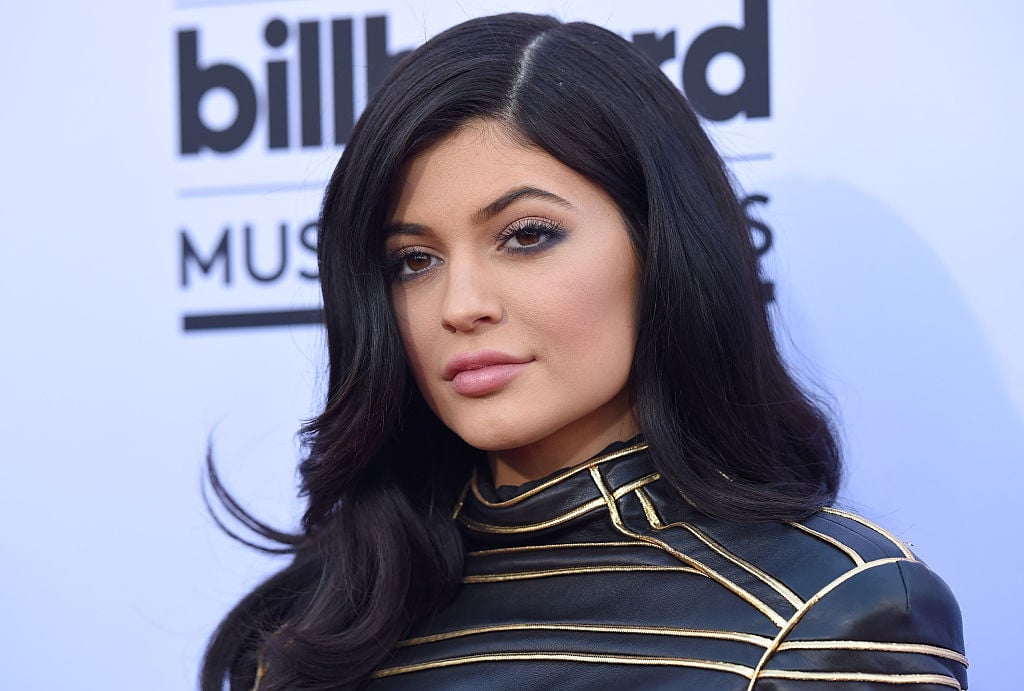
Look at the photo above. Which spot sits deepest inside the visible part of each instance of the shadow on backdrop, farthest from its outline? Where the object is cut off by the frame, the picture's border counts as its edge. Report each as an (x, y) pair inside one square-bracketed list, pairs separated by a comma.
[(934, 443)]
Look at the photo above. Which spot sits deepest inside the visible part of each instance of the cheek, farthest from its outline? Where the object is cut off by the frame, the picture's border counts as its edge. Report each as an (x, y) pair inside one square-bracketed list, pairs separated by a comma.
[(410, 330), (590, 315)]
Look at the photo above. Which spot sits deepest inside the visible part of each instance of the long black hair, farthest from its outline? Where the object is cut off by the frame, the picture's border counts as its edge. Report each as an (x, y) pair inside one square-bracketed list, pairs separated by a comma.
[(725, 421)]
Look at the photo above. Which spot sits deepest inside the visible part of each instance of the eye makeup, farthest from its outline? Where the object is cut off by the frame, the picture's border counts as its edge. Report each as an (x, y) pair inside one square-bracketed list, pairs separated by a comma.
[(522, 236), (530, 235)]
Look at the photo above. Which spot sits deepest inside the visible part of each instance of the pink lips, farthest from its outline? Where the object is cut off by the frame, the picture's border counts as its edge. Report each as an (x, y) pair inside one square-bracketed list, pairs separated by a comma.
[(482, 372)]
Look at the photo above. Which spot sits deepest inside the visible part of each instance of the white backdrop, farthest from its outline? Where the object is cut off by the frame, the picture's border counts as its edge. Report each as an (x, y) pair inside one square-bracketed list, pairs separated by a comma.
[(888, 158)]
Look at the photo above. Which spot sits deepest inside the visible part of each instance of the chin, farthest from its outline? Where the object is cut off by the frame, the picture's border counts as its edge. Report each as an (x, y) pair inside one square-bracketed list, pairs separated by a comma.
[(493, 440), (502, 432)]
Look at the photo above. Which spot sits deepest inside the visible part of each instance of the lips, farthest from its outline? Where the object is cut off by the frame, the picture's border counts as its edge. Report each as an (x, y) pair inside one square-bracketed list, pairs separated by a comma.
[(483, 372)]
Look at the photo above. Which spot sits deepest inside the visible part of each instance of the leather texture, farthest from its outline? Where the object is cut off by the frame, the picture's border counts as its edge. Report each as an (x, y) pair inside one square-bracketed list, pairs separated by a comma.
[(602, 576)]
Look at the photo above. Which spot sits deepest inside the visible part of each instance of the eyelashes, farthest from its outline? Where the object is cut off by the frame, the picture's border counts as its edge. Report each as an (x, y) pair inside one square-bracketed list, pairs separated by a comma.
[(529, 234), (522, 237)]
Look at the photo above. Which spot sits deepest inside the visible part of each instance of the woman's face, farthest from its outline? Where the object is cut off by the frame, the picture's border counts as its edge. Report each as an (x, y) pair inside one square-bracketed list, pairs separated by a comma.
[(514, 285)]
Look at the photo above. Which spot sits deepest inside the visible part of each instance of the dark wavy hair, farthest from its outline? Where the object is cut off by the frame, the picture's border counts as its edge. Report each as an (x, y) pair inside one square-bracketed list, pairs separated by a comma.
[(725, 421)]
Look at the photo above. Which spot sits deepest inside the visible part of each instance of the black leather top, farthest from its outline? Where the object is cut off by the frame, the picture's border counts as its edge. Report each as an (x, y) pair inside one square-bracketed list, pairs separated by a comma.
[(603, 577)]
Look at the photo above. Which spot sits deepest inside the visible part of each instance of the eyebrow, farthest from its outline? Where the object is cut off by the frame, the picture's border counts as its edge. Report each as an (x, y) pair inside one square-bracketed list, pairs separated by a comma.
[(515, 195), (488, 212)]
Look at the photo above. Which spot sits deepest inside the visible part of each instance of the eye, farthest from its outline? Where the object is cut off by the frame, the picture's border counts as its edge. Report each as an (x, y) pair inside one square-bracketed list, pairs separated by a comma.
[(528, 234), (526, 237), (412, 263)]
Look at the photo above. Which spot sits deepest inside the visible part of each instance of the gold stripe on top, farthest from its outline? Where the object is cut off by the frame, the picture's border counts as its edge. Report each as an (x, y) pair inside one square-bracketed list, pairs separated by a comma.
[(750, 599), (559, 545), (656, 523), (261, 670), (768, 580), (877, 528), (571, 571), (876, 646), (815, 599), (649, 510), (940, 679), (841, 546), (461, 501), (635, 485), (553, 481), (557, 520), (735, 636), (741, 670)]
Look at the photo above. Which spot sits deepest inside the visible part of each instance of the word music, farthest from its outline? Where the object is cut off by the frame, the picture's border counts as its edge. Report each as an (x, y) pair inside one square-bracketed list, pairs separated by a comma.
[(240, 252)]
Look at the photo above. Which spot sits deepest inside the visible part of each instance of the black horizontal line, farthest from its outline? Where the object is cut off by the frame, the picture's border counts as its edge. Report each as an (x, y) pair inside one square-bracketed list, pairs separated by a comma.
[(741, 158), (250, 320), (237, 190)]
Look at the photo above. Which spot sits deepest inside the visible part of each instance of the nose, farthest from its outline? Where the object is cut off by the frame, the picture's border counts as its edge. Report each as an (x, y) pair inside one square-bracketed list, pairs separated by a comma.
[(472, 297)]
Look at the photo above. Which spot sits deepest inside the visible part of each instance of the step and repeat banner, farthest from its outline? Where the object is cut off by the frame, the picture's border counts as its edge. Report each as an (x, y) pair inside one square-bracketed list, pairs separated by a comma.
[(163, 165)]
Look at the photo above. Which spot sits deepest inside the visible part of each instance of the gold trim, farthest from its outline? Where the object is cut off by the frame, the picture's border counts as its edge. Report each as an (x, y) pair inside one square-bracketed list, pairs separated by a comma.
[(657, 524), (557, 520), (649, 510), (735, 636), (761, 607), (767, 579), (635, 485), (261, 669), (919, 648), (873, 526), (526, 575), (560, 545), (741, 670), (815, 599), (461, 501), (555, 480), (841, 546), (941, 679)]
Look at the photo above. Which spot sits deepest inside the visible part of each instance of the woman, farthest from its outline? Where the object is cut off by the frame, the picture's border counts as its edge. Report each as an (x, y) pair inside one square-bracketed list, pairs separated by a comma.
[(559, 447)]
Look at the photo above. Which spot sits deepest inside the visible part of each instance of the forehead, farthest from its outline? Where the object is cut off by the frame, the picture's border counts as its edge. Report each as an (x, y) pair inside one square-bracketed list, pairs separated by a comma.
[(475, 164)]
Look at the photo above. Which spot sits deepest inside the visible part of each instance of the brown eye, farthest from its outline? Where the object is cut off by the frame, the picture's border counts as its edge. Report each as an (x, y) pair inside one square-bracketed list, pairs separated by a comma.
[(417, 261), (528, 236), (409, 264)]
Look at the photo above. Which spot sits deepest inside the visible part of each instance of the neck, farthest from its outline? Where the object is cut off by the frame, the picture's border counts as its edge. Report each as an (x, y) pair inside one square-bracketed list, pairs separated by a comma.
[(562, 449)]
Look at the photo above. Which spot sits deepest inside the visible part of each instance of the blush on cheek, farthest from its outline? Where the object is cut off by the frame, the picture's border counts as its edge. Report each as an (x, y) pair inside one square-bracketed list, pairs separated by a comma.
[(588, 303)]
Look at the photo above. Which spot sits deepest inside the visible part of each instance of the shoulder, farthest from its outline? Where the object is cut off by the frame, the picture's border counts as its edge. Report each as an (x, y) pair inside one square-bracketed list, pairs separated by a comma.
[(850, 600), (807, 556), (885, 583), (855, 535), (885, 617)]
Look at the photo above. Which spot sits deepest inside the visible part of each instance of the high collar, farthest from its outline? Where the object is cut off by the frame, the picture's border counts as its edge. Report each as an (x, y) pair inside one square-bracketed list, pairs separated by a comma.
[(559, 501)]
